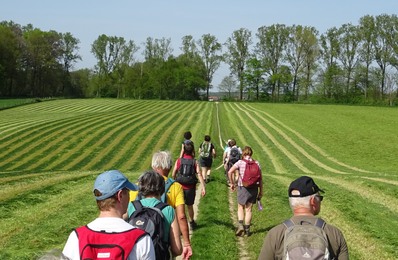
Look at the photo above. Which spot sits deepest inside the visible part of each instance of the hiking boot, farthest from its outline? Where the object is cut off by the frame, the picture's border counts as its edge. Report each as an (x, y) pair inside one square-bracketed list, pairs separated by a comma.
[(247, 230), (192, 225), (240, 231)]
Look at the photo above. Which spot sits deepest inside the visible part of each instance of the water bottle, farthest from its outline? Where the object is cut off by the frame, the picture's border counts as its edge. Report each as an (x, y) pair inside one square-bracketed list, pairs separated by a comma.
[(260, 206)]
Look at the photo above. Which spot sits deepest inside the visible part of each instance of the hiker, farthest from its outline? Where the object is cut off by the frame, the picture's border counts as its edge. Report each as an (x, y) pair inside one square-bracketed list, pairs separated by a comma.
[(187, 139), (109, 232), (247, 193), (185, 172), (151, 187), (174, 196), (206, 152), (305, 202), (233, 154), (226, 149)]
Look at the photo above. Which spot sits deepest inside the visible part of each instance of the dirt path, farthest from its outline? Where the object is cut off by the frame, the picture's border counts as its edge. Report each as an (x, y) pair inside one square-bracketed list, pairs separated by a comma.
[(243, 254), (196, 211)]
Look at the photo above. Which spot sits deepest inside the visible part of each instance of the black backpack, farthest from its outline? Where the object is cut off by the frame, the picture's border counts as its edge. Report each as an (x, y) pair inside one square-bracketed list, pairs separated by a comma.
[(234, 156), (187, 172), (205, 150), (151, 220)]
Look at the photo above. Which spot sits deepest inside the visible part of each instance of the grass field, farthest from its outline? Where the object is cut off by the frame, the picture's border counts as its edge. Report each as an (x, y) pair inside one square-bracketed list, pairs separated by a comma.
[(51, 152)]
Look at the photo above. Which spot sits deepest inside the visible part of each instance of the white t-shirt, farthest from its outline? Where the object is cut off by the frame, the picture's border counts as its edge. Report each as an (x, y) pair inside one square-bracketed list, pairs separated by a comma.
[(142, 250)]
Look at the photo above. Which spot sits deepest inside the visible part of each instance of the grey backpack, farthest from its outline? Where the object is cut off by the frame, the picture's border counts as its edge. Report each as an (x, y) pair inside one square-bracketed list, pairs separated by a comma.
[(305, 241)]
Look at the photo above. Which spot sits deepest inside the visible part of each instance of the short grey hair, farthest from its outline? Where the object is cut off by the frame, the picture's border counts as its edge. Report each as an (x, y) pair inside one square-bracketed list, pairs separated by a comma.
[(303, 202), (162, 160)]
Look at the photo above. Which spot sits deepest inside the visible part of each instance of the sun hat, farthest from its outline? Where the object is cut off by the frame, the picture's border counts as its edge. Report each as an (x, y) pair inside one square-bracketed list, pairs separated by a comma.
[(302, 187), (110, 182)]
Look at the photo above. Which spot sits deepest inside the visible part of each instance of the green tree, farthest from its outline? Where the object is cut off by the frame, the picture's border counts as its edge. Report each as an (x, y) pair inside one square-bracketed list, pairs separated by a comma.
[(113, 55), (330, 50), (254, 77), (366, 50), (301, 54), (384, 28), (348, 55), (43, 50), (10, 55), (238, 54), (210, 52), (270, 49), (69, 56)]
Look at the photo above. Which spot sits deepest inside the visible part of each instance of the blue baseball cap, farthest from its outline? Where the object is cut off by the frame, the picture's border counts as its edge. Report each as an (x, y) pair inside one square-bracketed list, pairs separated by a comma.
[(110, 182)]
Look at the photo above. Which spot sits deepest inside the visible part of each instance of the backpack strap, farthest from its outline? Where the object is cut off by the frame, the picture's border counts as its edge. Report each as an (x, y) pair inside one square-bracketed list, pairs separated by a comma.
[(288, 223), (161, 206), (320, 223), (137, 205), (168, 184)]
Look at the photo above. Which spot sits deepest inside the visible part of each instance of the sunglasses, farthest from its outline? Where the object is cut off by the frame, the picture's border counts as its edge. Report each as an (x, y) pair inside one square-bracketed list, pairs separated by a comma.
[(320, 197)]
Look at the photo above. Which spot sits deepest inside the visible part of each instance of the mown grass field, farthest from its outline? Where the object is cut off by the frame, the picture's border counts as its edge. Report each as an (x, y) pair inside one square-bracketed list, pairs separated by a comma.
[(51, 152)]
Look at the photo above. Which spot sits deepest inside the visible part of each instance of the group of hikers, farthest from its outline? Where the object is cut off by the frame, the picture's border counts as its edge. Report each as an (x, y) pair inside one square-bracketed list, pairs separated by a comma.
[(147, 220)]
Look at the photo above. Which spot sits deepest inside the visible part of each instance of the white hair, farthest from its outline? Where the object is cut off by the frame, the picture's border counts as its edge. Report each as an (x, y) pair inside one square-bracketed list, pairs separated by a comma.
[(301, 202), (162, 160)]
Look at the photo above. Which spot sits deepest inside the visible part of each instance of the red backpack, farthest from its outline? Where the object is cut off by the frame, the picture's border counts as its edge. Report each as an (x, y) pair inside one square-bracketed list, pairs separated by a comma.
[(252, 175), (102, 245)]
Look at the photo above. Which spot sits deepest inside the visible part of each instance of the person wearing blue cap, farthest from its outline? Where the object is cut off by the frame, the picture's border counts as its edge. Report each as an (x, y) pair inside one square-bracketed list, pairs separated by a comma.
[(304, 236), (109, 236)]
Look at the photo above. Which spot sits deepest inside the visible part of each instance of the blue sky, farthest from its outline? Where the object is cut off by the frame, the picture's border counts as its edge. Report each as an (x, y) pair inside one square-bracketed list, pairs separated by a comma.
[(137, 20)]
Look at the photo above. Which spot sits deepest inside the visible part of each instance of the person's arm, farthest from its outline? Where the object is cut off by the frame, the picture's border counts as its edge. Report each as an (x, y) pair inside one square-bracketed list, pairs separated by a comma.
[(260, 192), (200, 177), (175, 240), (183, 225), (231, 176), (174, 170), (182, 151)]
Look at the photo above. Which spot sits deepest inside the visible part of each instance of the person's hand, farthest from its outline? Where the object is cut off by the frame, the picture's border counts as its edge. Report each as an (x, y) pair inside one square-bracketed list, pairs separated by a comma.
[(232, 186), (186, 252), (203, 192), (260, 195)]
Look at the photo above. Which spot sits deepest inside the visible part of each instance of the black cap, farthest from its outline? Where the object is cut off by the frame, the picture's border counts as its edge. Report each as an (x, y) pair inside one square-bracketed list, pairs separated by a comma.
[(303, 186)]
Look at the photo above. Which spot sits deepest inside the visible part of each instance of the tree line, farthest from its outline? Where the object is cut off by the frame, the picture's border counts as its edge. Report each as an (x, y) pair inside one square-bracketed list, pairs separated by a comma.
[(278, 63)]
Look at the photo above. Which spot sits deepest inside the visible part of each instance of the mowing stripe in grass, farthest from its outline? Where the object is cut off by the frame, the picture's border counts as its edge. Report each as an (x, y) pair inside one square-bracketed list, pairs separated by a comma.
[(47, 144), (56, 149), (17, 190), (13, 144), (298, 147), (142, 140), (371, 195), (292, 157), (312, 145), (90, 146), (68, 143), (33, 215), (21, 148)]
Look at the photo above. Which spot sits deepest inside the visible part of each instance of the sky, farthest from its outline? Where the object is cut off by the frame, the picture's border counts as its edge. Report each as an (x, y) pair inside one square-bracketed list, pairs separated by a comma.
[(173, 19)]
